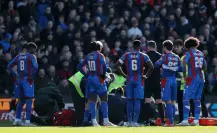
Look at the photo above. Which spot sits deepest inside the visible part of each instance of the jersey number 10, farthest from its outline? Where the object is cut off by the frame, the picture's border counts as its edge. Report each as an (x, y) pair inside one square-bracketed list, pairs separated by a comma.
[(92, 65)]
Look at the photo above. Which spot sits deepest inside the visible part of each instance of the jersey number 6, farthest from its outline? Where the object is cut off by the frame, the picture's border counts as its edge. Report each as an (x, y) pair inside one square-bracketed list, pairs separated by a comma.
[(134, 65)]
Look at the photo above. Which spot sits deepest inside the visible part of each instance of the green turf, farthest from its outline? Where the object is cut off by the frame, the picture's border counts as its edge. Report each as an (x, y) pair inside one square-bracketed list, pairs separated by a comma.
[(108, 130)]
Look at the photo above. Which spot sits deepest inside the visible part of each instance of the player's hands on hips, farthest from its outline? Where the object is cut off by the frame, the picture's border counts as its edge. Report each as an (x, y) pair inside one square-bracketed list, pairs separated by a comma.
[(144, 77)]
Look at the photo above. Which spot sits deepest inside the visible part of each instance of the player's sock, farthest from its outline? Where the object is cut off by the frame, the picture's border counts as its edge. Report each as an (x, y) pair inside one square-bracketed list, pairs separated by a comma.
[(104, 109), (86, 115), (28, 109), (129, 110), (161, 111), (147, 110), (136, 110), (174, 110), (93, 110), (186, 108), (19, 110), (197, 107), (169, 110)]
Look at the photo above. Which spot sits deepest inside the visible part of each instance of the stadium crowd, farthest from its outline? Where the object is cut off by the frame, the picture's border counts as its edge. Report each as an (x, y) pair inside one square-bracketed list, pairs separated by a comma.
[(63, 30)]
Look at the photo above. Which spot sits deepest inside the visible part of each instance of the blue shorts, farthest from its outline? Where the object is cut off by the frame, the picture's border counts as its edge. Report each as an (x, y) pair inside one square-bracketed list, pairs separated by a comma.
[(24, 88), (134, 90), (169, 89), (95, 87), (193, 88)]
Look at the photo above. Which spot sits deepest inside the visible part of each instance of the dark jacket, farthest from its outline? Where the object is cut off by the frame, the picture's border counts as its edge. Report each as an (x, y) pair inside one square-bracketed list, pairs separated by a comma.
[(48, 96), (155, 76)]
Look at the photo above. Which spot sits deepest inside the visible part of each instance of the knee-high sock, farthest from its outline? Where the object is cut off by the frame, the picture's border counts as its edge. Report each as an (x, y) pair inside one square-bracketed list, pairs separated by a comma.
[(186, 109), (129, 110), (28, 109), (86, 115), (197, 108), (169, 110), (19, 109), (104, 109), (136, 110), (93, 110), (161, 111), (174, 110)]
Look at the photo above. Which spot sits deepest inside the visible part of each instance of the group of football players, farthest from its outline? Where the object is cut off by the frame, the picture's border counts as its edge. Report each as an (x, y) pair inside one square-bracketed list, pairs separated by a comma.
[(94, 67), (135, 61)]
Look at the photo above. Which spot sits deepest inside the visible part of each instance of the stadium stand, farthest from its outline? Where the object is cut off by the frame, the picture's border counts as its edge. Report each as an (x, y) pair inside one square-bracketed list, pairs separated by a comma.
[(63, 29)]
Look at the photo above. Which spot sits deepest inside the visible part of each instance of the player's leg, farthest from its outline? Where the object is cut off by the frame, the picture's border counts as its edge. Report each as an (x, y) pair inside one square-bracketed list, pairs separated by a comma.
[(180, 101), (147, 106), (160, 106), (87, 107), (174, 96), (166, 91), (20, 104), (138, 95), (28, 88), (187, 95), (129, 96), (92, 97), (86, 112), (104, 105), (197, 106)]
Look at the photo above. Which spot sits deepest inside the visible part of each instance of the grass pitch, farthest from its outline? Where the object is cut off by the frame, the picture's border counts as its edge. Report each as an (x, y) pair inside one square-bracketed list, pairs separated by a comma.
[(199, 129)]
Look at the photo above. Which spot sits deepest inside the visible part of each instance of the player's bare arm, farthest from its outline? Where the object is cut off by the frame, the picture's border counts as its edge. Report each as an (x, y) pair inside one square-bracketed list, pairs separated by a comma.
[(119, 69)]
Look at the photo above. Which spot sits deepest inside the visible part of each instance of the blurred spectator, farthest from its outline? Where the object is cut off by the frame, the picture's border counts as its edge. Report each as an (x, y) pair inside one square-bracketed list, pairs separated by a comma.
[(63, 29), (185, 27), (24, 11), (5, 43), (15, 24), (64, 72), (134, 31), (33, 27), (6, 86), (52, 74), (44, 19), (10, 11), (41, 79)]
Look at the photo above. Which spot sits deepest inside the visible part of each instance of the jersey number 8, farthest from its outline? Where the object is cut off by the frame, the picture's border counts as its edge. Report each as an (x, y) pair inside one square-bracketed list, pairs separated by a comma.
[(92, 65), (22, 65), (134, 65)]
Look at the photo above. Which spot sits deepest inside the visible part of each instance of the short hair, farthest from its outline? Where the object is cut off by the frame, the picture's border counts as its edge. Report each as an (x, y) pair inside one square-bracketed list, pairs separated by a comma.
[(178, 42), (25, 46), (32, 45), (93, 46), (191, 42), (151, 44), (136, 43), (168, 44)]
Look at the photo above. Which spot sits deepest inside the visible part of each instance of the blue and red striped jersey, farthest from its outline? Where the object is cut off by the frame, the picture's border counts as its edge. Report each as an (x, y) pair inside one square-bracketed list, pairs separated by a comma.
[(195, 61), (134, 62), (26, 65), (95, 62), (170, 63)]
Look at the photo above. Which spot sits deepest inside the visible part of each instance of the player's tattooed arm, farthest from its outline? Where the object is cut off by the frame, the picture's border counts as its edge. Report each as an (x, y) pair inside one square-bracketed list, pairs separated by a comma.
[(150, 70), (119, 69)]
